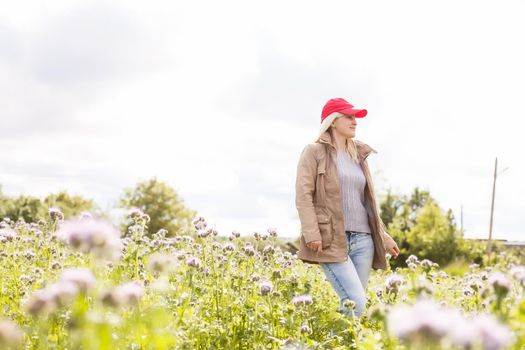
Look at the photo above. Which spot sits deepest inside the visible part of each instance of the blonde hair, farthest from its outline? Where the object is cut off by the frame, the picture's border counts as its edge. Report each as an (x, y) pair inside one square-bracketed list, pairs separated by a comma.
[(351, 148)]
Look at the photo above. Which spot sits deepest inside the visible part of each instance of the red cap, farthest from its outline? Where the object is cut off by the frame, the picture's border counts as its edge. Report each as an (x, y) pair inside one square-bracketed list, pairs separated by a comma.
[(342, 106)]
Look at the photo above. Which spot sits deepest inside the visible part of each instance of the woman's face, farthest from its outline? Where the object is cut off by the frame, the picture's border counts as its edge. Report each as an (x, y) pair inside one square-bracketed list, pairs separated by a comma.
[(345, 126)]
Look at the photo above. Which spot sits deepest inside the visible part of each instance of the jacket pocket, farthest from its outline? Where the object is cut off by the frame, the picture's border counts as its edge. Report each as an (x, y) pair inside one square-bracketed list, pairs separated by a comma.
[(325, 229)]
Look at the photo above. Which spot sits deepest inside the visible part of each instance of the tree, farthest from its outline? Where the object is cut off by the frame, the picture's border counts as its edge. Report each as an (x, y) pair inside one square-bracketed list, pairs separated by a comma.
[(434, 236), (70, 206), (32, 209), (389, 207), (163, 205)]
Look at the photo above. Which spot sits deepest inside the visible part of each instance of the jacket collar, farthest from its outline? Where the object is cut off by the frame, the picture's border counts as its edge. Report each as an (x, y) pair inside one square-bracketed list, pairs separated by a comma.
[(363, 149)]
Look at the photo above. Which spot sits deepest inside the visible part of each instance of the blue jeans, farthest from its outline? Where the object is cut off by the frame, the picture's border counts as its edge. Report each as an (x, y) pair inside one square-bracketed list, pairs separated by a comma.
[(349, 278)]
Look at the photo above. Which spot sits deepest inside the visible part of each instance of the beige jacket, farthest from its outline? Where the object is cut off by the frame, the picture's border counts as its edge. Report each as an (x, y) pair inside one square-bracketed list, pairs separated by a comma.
[(321, 212)]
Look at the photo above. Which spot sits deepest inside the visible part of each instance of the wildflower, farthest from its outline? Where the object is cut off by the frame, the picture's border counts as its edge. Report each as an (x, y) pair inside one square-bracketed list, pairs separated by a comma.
[(484, 329), (426, 264), (272, 231), (411, 259), (199, 222), (55, 214), (349, 304), (160, 234), (62, 292), (265, 287), (193, 262), (393, 282), (467, 291), (10, 334), (126, 294), (47, 300), (423, 286), (276, 294), (26, 278), (475, 284), (85, 215), (500, 283), (518, 272), (255, 277), (29, 255), (180, 255), (160, 262), (97, 237), (229, 247), (423, 318), (137, 213), (7, 234), (302, 300), (248, 250), (205, 232), (221, 259), (81, 277), (269, 249), (305, 329)]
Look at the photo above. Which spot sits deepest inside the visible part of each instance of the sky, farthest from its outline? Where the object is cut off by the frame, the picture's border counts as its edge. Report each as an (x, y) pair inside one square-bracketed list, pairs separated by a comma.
[(218, 99)]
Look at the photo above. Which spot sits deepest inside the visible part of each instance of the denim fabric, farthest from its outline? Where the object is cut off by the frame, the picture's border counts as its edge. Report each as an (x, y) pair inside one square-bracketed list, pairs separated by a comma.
[(350, 278)]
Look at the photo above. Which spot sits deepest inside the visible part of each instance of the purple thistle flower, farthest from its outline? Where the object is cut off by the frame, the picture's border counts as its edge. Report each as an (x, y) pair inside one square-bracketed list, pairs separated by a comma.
[(300, 300), (423, 318), (265, 287), (493, 334), (193, 262), (248, 250), (411, 259), (7, 233), (518, 272), (55, 214), (500, 283), (393, 282), (229, 247), (97, 237), (81, 277), (85, 216), (10, 334), (126, 294)]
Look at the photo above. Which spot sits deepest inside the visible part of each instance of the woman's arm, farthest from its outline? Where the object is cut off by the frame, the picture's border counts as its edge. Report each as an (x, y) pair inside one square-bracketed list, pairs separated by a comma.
[(304, 192)]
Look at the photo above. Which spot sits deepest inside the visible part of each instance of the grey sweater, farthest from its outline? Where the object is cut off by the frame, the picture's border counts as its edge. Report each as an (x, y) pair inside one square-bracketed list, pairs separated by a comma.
[(353, 182)]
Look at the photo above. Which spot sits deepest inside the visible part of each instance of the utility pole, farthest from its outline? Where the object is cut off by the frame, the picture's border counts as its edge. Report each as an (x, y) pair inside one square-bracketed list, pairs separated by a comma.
[(489, 243)]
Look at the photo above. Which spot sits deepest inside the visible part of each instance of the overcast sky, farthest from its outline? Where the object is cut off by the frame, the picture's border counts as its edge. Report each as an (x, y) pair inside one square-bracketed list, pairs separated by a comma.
[(218, 98)]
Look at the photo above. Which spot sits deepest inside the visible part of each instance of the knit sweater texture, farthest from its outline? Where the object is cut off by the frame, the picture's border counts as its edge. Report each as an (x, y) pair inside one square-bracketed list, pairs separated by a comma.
[(353, 182)]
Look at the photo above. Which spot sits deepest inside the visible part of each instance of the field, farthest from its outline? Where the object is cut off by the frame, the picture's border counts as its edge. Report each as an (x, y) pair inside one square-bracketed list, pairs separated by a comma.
[(79, 285)]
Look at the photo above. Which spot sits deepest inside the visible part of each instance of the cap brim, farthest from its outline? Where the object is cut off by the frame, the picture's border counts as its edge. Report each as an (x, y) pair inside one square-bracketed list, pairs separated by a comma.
[(358, 113)]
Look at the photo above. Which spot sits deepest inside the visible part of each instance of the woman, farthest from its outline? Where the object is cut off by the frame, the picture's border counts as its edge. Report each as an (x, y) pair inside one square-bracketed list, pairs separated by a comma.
[(340, 224)]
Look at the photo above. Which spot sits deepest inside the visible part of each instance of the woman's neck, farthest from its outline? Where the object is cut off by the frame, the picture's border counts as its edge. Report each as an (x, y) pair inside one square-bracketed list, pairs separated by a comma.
[(340, 141)]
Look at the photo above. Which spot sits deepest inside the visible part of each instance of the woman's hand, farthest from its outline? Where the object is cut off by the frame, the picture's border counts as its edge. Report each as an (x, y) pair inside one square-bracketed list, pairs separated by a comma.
[(392, 248), (316, 246)]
